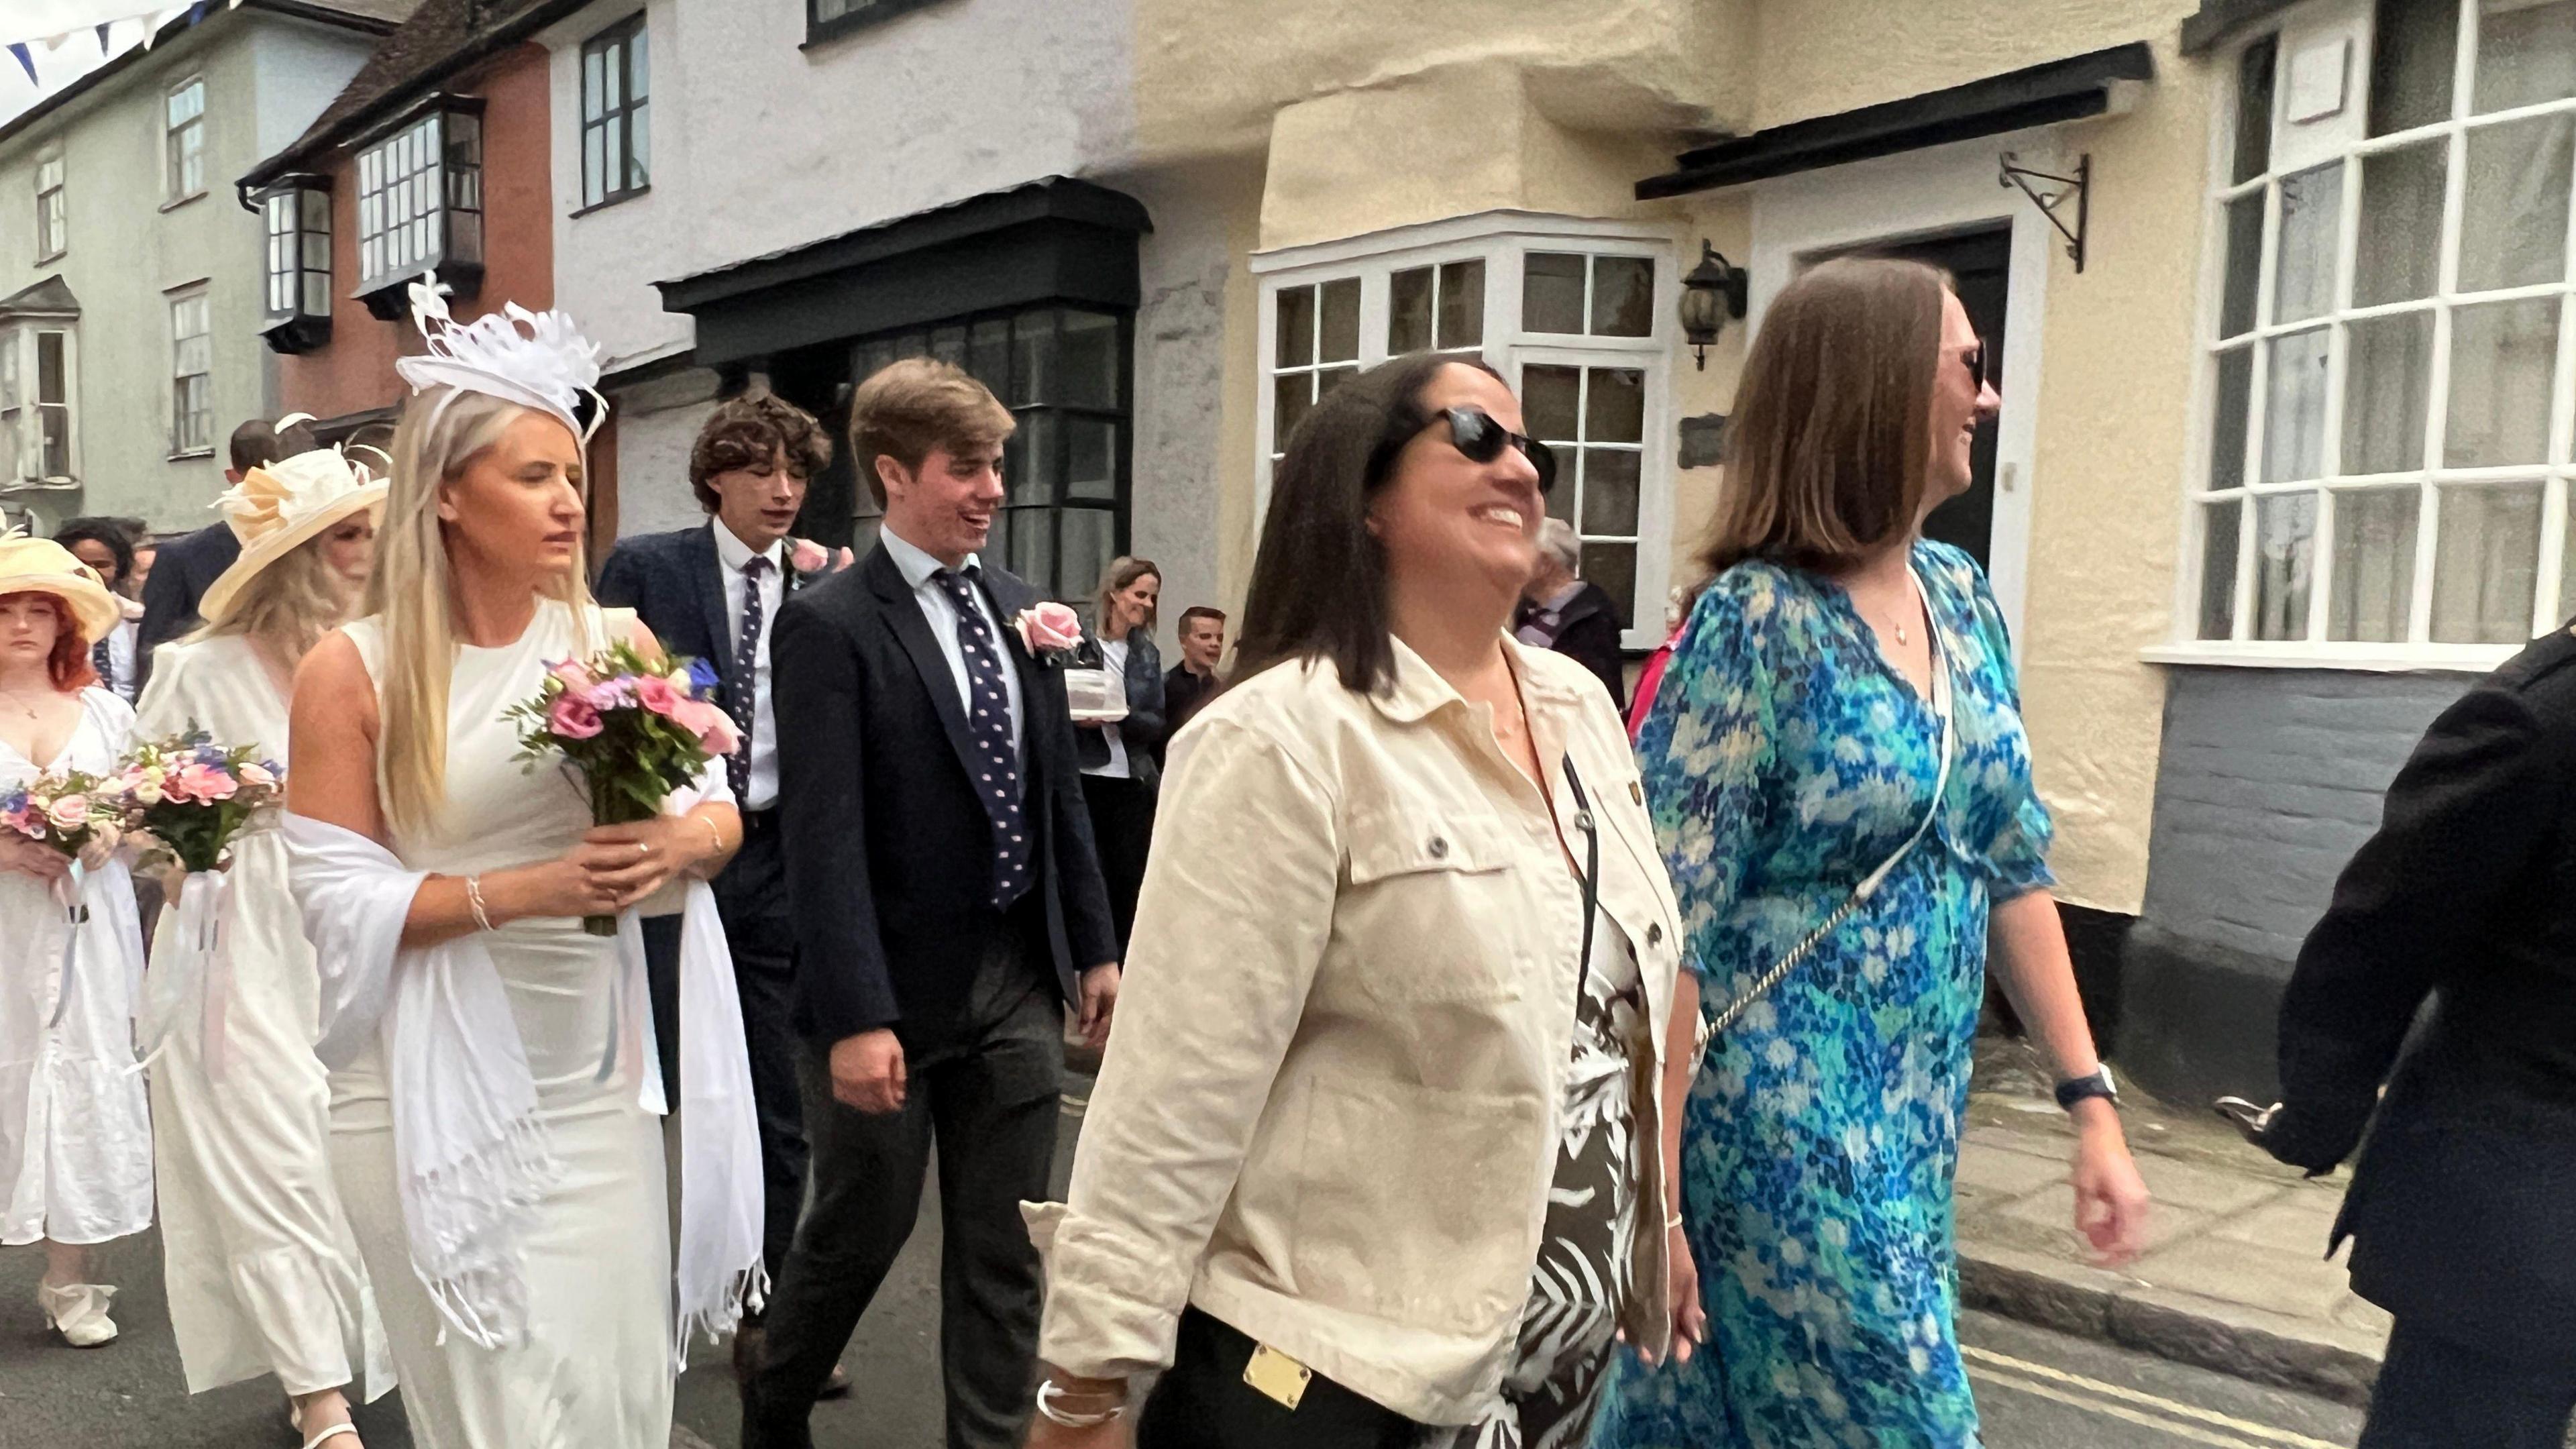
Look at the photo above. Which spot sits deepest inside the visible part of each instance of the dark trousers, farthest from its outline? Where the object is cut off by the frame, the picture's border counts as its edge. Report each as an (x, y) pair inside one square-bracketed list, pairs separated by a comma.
[(987, 1095), (2436, 1393), (1122, 825), (1202, 1402), (751, 897)]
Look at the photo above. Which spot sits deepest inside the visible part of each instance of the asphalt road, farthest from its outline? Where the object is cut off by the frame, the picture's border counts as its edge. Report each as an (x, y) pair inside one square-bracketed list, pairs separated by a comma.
[(2037, 1390)]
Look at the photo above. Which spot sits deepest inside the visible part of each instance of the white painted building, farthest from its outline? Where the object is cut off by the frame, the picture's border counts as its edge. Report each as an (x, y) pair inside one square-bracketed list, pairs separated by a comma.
[(820, 188)]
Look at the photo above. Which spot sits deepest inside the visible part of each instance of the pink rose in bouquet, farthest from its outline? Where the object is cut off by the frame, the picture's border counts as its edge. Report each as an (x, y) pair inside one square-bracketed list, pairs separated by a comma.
[(194, 796), (633, 730)]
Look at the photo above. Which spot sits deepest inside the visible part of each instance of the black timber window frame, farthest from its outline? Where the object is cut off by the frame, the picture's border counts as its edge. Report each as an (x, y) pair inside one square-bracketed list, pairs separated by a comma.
[(1064, 370), (420, 204), (830, 19), (616, 114), (295, 281)]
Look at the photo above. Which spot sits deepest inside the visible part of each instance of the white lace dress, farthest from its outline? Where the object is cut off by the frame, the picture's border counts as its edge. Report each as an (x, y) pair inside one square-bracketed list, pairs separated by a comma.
[(75, 1136), (595, 1370)]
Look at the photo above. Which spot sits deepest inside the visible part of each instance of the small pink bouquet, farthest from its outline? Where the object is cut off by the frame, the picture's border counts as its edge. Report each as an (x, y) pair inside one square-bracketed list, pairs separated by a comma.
[(193, 795), (633, 730), (61, 810)]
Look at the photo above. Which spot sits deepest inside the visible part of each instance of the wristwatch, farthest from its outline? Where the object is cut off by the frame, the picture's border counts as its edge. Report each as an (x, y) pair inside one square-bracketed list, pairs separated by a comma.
[(2095, 1083)]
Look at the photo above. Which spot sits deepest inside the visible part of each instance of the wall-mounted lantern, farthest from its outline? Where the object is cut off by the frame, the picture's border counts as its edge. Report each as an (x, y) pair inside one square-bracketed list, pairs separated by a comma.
[(1712, 292)]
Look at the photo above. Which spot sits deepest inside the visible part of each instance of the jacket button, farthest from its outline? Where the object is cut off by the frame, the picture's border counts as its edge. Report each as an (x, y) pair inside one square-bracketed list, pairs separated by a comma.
[(1654, 933), (1438, 848)]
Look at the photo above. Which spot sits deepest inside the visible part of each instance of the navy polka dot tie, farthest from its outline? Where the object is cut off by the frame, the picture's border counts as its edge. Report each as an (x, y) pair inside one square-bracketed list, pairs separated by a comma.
[(103, 660), (746, 674), (988, 734)]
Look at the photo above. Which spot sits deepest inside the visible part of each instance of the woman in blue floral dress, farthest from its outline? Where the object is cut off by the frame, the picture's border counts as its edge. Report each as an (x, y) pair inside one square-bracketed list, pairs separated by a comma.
[(1793, 748)]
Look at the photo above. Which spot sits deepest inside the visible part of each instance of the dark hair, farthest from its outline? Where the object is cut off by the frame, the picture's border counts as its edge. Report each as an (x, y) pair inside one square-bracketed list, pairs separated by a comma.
[(1200, 611), (1319, 580), (259, 442), (109, 531), (750, 432), (1831, 437)]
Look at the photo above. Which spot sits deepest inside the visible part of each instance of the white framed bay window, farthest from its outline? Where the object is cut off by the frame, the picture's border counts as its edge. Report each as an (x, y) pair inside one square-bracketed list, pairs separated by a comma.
[(2389, 370), (1576, 314)]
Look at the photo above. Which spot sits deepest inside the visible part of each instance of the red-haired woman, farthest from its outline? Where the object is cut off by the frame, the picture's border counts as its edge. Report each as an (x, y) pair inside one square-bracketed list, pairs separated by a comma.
[(75, 1139)]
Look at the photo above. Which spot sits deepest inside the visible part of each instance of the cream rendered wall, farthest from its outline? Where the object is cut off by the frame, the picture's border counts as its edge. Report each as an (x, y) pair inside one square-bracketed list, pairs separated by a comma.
[(1821, 57)]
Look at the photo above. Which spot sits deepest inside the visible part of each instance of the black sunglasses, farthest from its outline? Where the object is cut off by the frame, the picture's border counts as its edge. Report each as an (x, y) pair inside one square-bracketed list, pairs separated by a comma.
[(1974, 359), (1474, 432)]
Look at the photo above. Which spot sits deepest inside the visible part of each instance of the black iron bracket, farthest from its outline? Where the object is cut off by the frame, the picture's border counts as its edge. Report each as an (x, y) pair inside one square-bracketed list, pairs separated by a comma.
[(2052, 193)]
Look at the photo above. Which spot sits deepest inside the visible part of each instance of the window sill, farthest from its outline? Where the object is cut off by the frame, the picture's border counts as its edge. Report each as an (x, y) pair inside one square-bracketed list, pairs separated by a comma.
[(2352, 658), (174, 203), (191, 453), (53, 257), (619, 199), (823, 32)]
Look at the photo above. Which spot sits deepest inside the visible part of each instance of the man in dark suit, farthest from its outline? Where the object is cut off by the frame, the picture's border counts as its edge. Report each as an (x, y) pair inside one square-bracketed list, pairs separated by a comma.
[(712, 592), (188, 565), (1571, 615), (1192, 682), (2462, 1211), (948, 903)]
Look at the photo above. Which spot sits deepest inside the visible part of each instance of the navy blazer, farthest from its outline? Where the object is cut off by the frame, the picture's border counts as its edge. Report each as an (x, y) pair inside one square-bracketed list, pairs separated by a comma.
[(1142, 730), (889, 851), (182, 570), (675, 583)]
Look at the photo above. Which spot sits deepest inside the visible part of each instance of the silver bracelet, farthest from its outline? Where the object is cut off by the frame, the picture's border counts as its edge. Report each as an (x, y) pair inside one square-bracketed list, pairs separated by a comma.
[(474, 900), (1049, 1391)]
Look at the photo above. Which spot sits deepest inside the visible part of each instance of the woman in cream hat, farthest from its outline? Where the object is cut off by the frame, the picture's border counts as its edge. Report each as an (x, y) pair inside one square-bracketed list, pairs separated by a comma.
[(263, 1273), (75, 1139)]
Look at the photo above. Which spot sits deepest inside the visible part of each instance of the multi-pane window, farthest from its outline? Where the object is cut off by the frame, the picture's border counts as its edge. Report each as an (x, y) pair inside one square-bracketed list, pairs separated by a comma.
[(827, 18), (616, 142), (53, 436), (53, 235), (1063, 374), (2393, 366), (192, 362), (1318, 349), (420, 198), (183, 150), (35, 406), (298, 220), (1573, 321)]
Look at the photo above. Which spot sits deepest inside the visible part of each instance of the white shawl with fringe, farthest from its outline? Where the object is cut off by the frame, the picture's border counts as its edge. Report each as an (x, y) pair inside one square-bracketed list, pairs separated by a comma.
[(470, 1149)]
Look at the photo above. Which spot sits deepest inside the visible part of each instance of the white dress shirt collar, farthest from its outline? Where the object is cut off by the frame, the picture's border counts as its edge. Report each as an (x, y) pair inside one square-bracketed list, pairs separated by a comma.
[(915, 565), (734, 554)]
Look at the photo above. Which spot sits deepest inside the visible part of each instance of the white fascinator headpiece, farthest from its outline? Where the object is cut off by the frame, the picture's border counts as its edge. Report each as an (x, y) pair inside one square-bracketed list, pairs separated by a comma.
[(534, 359)]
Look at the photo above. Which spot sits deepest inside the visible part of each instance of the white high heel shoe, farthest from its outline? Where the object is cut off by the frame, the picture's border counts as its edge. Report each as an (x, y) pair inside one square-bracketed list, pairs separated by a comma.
[(78, 1312)]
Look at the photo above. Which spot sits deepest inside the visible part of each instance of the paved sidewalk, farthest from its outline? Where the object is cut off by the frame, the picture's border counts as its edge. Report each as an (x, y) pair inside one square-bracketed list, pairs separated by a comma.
[(2234, 1278)]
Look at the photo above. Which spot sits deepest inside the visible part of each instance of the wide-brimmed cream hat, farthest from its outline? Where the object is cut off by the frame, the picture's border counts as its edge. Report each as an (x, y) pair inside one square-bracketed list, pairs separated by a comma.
[(277, 508), (42, 566)]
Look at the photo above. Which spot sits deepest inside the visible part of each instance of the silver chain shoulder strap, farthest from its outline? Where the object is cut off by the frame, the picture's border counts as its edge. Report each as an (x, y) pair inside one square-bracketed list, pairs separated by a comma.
[(1943, 708)]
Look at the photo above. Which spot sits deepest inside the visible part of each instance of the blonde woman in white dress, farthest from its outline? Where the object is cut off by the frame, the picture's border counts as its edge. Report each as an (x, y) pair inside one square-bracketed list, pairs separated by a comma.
[(262, 1272), (493, 1078), (75, 1138)]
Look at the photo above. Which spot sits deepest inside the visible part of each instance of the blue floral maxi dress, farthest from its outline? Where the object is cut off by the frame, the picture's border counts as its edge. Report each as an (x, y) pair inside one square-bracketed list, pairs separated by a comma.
[(1784, 760)]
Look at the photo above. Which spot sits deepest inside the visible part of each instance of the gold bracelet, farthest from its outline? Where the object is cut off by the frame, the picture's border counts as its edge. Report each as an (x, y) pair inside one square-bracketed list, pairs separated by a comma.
[(474, 902), (715, 835)]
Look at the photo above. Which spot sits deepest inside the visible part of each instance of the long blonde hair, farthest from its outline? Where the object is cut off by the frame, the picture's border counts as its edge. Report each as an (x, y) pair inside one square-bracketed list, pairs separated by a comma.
[(291, 603), (411, 593)]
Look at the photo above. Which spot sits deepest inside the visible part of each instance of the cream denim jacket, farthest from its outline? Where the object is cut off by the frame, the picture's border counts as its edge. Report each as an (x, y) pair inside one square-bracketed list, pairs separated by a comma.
[(1330, 1110)]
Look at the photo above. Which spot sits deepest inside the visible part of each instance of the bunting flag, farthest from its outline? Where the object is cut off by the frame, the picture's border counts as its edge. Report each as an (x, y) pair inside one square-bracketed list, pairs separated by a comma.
[(50, 21), (26, 60)]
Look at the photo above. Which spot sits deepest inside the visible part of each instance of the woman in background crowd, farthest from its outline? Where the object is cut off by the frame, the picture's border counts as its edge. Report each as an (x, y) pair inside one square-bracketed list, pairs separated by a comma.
[(262, 1271), (1381, 1143), (108, 545), (1119, 773), (1838, 772), (75, 1135)]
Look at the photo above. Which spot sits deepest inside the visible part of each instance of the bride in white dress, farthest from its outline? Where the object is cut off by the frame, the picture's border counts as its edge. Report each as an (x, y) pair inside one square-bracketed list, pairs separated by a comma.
[(262, 1272), (75, 1142), (506, 1186)]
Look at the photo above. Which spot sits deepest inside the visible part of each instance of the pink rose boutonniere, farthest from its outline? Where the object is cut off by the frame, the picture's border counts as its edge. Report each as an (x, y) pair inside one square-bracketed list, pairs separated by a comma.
[(808, 557), (1049, 631)]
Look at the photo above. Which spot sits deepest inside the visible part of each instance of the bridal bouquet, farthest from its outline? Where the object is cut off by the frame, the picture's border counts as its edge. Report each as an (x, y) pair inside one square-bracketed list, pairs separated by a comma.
[(63, 811), (193, 795), (633, 730)]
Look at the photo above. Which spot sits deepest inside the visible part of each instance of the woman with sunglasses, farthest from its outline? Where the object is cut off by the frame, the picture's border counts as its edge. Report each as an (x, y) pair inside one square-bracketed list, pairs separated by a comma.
[(1838, 772), (1378, 1148)]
